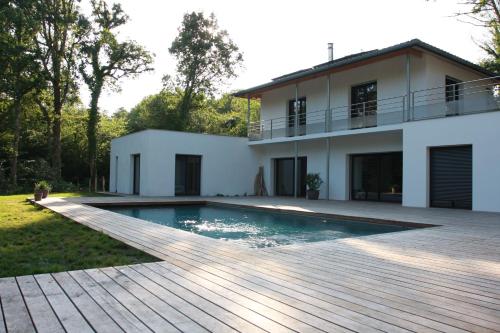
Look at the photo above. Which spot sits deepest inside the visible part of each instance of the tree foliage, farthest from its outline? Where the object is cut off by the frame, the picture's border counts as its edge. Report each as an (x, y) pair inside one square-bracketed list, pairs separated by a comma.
[(105, 61), (47, 46), (56, 45), (225, 115), (485, 13), (206, 58), (19, 70)]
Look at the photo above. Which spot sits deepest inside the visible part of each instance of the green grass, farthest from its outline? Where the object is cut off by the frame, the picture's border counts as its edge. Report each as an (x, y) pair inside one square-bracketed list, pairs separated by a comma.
[(34, 240)]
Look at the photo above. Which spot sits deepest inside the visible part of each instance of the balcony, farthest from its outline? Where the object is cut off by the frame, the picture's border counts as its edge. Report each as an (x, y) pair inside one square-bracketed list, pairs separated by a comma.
[(446, 101)]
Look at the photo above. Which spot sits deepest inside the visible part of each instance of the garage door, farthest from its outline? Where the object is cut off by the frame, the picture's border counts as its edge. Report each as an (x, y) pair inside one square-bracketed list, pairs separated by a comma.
[(451, 177)]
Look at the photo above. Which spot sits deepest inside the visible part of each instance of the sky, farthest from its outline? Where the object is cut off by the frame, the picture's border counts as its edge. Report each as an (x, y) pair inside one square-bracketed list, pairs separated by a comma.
[(278, 37)]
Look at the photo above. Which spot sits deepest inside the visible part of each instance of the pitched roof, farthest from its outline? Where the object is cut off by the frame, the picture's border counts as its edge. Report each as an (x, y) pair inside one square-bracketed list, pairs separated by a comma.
[(353, 59)]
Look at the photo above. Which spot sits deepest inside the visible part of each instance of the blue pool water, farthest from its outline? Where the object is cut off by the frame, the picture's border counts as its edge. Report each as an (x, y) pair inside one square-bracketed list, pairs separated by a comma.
[(252, 227)]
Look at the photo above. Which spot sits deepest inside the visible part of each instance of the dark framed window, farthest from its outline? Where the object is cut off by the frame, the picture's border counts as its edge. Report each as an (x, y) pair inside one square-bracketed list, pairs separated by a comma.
[(293, 106), (377, 177), (453, 89), (187, 174), (136, 188), (284, 176), (363, 99)]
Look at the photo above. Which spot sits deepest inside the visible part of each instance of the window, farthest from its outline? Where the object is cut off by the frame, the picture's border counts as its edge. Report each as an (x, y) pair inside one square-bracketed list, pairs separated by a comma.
[(187, 174), (364, 99), (136, 185), (302, 111), (453, 89)]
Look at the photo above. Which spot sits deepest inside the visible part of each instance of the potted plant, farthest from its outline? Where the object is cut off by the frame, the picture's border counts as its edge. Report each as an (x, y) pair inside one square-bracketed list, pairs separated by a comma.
[(45, 188), (313, 182), (38, 192)]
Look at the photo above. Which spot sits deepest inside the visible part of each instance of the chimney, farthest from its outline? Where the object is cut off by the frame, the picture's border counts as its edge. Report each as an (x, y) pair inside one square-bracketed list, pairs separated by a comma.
[(330, 51)]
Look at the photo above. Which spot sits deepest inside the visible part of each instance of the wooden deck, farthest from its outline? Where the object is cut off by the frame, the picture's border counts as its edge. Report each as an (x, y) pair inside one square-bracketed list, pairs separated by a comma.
[(440, 279)]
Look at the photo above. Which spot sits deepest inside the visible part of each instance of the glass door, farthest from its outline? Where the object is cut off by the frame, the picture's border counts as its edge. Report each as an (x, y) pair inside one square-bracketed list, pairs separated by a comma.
[(137, 174), (187, 174), (294, 108), (377, 177), (284, 173)]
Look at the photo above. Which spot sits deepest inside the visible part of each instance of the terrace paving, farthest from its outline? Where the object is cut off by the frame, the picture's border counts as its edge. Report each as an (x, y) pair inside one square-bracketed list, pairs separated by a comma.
[(439, 279)]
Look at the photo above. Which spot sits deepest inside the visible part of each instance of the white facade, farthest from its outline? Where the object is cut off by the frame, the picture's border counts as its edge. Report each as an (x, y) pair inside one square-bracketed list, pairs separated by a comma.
[(413, 116), (482, 131), (226, 162)]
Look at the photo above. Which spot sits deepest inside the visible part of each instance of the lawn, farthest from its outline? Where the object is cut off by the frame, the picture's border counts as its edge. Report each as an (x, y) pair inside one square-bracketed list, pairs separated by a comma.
[(35, 240)]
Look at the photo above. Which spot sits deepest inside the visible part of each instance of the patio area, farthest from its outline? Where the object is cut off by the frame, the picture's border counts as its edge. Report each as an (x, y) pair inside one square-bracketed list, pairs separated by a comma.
[(438, 279)]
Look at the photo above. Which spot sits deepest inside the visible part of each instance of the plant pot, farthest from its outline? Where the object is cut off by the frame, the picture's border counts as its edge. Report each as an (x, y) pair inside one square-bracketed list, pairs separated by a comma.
[(38, 196), (45, 193), (312, 194)]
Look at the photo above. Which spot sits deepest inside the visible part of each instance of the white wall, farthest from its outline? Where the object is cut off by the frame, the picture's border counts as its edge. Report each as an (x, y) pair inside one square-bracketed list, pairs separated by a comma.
[(344, 146), (426, 71), (340, 149), (389, 74), (314, 150), (228, 166), (482, 131)]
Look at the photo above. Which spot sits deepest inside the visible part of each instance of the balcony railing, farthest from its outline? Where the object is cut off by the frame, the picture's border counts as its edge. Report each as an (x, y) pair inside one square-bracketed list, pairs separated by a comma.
[(458, 99)]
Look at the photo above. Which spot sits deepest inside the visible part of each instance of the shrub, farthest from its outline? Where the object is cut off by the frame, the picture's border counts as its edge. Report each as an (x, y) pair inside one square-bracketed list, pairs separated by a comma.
[(313, 181)]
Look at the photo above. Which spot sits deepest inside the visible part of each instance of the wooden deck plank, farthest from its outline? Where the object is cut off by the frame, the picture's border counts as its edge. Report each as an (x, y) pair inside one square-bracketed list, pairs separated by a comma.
[(487, 292), (222, 314), (229, 304), (16, 314), (93, 313), (439, 279), (165, 310), (170, 249), (188, 309), (218, 248), (69, 316), (153, 320), (317, 315), (420, 320), (40, 310), (275, 310), (123, 317)]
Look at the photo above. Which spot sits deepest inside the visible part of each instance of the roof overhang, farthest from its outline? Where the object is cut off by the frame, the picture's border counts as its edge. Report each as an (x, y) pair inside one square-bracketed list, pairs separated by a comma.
[(414, 47)]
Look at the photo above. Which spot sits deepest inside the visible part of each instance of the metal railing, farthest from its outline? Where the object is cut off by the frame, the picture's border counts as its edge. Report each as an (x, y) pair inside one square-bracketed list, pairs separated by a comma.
[(457, 99)]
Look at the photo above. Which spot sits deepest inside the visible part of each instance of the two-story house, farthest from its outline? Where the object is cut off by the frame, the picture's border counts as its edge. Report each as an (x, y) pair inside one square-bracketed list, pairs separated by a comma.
[(409, 123)]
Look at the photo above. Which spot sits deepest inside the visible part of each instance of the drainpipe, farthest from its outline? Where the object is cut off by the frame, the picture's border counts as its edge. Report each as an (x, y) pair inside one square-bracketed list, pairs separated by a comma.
[(408, 87), (296, 111), (328, 127), (248, 115), (296, 166), (327, 168), (296, 144)]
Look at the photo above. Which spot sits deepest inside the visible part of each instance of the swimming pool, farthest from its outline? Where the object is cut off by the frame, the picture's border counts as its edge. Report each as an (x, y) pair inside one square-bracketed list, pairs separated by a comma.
[(252, 227)]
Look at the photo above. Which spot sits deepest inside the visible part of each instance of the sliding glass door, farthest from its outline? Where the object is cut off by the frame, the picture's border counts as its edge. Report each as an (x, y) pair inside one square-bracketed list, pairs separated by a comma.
[(284, 173), (187, 174), (136, 174), (377, 177)]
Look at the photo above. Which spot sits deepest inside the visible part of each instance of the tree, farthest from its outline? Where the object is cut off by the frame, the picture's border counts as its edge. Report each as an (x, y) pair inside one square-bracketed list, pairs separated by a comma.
[(205, 55), (104, 62), (56, 44), (156, 111), (486, 13), (19, 70)]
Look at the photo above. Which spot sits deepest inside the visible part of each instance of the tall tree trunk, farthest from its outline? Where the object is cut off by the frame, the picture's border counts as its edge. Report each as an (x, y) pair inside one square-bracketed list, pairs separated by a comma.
[(185, 107), (56, 124), (92, 135), (48, 124), (17, 109)]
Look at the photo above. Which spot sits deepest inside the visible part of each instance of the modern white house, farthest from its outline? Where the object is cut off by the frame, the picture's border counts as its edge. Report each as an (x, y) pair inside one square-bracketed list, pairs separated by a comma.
[(409, 124)]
